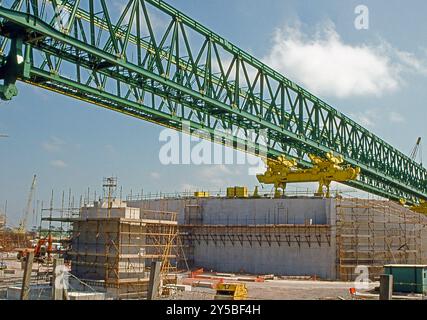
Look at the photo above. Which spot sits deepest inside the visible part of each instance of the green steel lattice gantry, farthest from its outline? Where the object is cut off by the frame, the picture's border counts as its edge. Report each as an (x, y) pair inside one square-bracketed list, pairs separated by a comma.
[(112, 54)]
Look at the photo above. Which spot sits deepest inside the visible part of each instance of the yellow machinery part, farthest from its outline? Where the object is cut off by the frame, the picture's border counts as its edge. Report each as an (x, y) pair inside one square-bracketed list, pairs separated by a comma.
[(421, 208), (282, 171), (231, 291), (402, 201), (201, 194), (237, 192), (256, 193)]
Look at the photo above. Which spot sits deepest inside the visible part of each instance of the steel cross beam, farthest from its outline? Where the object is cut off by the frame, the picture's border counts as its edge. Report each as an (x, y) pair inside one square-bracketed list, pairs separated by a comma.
[(181, 72)]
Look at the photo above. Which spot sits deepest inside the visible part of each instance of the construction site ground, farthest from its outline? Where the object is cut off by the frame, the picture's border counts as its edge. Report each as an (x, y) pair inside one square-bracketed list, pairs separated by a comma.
[(284, 290), (277, 289), (12, 275)]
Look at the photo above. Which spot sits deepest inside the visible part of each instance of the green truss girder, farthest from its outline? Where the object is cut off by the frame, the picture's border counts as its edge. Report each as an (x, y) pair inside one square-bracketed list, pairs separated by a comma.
[(181, 72)]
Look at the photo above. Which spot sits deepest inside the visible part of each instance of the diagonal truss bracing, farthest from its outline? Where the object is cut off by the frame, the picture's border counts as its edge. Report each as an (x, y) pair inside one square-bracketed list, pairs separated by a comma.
[(148, 60)]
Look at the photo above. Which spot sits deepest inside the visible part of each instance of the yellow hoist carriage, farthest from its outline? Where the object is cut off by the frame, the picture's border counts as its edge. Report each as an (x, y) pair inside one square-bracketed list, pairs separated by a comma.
[(420, 208), (281, 171)]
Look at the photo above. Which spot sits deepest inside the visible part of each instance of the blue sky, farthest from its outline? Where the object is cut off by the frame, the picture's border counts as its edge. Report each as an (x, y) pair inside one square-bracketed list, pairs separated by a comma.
[(71, 144)]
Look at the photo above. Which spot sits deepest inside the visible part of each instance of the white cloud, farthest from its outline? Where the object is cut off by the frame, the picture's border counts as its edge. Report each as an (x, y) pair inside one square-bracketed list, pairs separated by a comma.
[(155, 175), (370, 118), (366, 119), (187, 187), (218, 175), (209, 172), (326, 65), (53, 144), (396, 117), (58, 164), (411, 62)]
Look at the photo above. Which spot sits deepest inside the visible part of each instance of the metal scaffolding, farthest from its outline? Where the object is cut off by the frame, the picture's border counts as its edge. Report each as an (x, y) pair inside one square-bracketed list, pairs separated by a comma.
[(116, 253), (3, 235), (373, 233), (10, 239)]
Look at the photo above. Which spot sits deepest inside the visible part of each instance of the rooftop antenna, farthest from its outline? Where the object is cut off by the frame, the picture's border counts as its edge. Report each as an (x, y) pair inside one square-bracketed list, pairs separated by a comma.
[(110, 184)]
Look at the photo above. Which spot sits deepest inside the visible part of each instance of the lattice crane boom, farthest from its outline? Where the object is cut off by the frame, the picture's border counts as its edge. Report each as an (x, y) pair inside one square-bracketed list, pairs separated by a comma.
[(184, 76), (23, 223), (417, 150)]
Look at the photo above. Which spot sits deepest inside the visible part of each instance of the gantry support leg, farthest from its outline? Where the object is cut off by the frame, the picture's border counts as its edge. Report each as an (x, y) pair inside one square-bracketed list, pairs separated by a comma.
[(16, 65)]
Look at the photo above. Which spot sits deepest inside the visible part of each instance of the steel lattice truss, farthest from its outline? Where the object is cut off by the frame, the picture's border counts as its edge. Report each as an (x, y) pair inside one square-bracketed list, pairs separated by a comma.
[(148, 60)]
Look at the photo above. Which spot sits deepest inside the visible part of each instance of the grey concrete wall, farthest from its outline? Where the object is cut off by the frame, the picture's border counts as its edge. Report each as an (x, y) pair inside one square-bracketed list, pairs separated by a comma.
[(118, 210), (295, 260), (292, 259), (225, 211), (284, 260)]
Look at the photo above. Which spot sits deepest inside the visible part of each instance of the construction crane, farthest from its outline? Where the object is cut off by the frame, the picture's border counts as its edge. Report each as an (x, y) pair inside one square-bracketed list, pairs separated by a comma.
[(417, 150), (23, 223), (186, 77)]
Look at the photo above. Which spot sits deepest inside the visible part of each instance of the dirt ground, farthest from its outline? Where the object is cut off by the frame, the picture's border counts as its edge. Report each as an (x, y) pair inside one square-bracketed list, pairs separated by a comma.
[(283, 290)]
